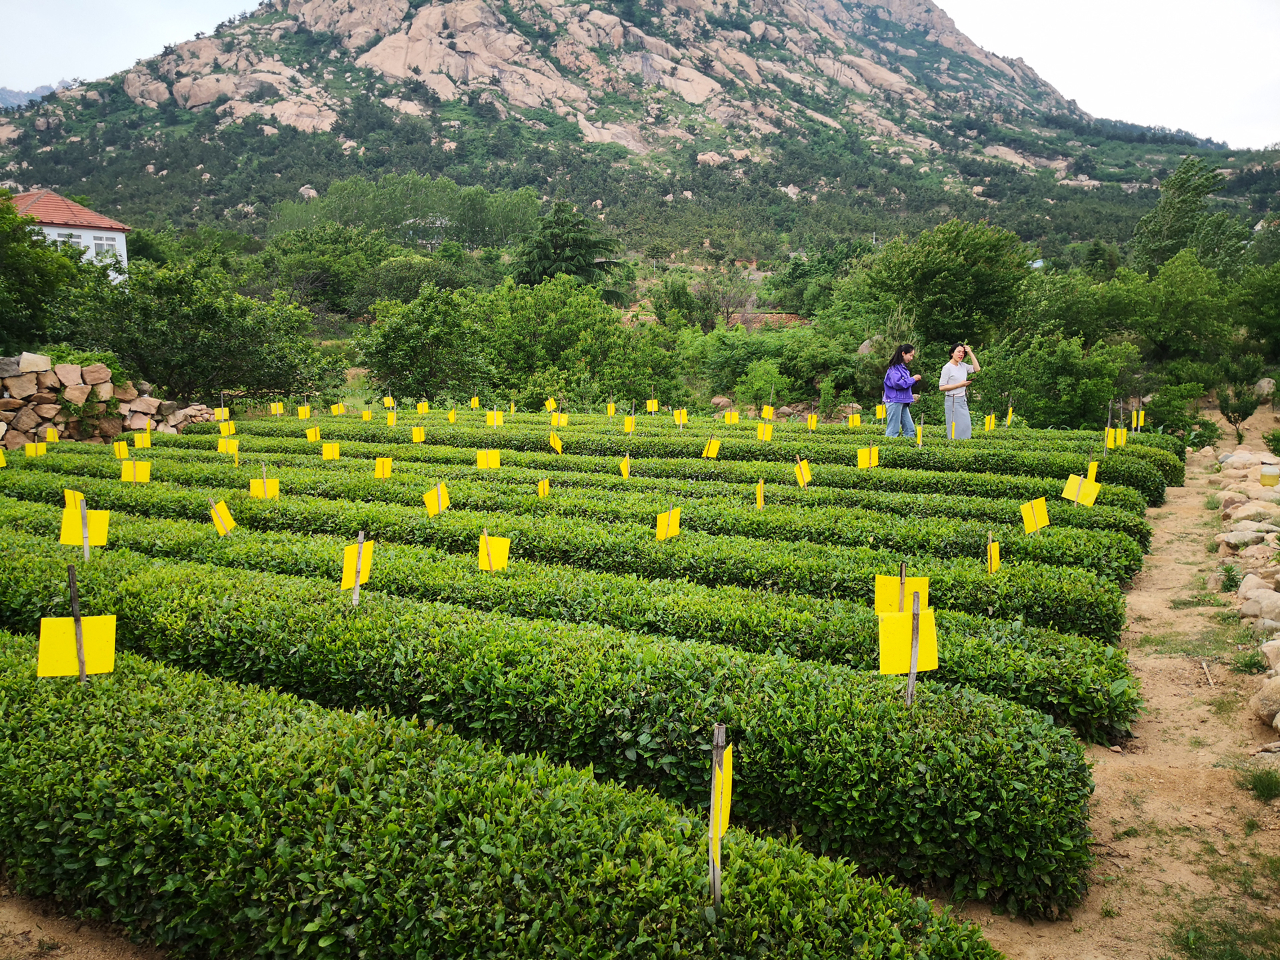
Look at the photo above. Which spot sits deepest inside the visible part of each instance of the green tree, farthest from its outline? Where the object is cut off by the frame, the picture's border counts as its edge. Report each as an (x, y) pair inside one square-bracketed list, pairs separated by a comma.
[(961, 280), (1259, 302), (762, 381), (323, 265), (32, 272), (1168, 229), (1189, 312), (566, 242)]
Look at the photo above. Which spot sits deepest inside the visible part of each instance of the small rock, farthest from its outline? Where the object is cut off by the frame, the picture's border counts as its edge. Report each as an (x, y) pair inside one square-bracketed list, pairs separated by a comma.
[(46, 411), (1207, 451), (1265, 704), (9, 367), (1264, 388), (167, 407), (144, 388), (126, 392), (1251, 585), (720, 403), (103, 391), (25, 420), (1116, 750), (10, 403), (1271, 650), (95, 374), (21, 386), (147, 405), (77, 393), (34, 363), (786, 412), (1244, 538), (110, 427), (48, 380), (68, 373)]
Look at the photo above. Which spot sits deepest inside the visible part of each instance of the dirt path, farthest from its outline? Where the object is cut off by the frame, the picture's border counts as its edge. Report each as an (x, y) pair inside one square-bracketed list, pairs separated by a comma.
[(1174, 833), (35, 928)]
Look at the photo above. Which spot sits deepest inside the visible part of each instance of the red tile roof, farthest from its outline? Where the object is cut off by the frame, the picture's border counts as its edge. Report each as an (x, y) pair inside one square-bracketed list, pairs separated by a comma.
[(57, 211)]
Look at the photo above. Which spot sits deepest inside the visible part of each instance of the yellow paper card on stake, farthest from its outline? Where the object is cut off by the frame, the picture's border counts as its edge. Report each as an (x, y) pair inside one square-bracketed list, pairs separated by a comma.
[(388, 402), (51, 435), (423, 407), (1142, 418), (2, 460), (760, 495), (436, 499), (221, 413), (880, 411), (493, 418), (349, 564), (895, 641), (304, 413), (337, 409), (494, 552), (628, 424), (889, 593), (712, 450), (142, 441), (488, 459), (329, 451), (764, 432), (669, 524), (419, 435), (313, 434), (453, 416), (812, 421), (993, 556), (121, 449), (1008, 421), (610, 410), (1111, 438), (804, 476), (1122, 437), (556, 445), (625, 467), (1093, 470), (366, 416), (271, 492), (475, 403), (855, 420), (1081, 490), (39, 449), (864, 457), (58, 657), (1035, 515), (651, 406), (766, 412), (391, 418), (732, 417), (920, 435), (681, 417), (134, 471), (222, 519), (382, 468), (549, 403), (72, 532), (227, 429), (721, 800), (513, 407), (230, 445), (277, 408), (544, 488)]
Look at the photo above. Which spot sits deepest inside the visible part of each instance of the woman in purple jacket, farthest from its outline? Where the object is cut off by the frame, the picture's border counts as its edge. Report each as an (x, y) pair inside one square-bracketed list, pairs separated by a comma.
[(898, 398)]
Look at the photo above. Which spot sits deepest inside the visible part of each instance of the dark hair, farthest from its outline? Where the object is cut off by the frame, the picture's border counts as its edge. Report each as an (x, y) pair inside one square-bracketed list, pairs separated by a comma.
[(954, 348), (897, 354)]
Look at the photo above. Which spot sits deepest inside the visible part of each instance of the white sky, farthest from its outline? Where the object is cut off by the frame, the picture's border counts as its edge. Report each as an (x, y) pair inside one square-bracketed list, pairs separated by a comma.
[(1213, 69)]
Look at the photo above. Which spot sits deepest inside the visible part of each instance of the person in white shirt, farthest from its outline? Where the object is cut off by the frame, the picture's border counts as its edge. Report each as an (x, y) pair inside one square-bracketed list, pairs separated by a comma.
[(954, 383)]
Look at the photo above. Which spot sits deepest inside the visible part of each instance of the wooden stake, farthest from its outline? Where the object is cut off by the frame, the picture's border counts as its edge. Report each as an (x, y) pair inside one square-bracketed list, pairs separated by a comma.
[(355, 592), (1104, 436), (717, 771), (264, 481), (75, 616), (217, 522), (84, 528), (487, 552), (902, 587), (1204, 666), (439, 498), (915, 647)]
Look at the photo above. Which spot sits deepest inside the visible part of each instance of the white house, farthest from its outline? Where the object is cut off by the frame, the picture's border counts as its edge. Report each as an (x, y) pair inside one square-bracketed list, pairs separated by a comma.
[(70, 223)]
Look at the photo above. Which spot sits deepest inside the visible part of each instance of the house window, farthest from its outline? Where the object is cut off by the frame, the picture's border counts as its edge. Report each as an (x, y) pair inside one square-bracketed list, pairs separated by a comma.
[(71, 238), (103, 245)]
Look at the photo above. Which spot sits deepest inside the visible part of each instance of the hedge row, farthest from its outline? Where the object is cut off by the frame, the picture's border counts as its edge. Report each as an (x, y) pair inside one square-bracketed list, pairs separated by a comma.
[(1066, 599), (1110, 555), (1079, 682), (184, 464), (215, 819), (945, 457), (962, 788), (849, 478)]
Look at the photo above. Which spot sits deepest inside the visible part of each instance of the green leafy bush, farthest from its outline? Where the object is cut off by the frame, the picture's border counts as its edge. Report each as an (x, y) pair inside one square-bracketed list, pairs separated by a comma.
[(222, 820), (962, 788)]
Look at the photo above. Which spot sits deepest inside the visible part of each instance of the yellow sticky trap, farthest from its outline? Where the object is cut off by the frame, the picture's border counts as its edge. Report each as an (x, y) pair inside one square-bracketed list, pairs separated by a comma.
[(3, 463), (669, 524), (513, 407), (1133, 417), (304, 413), (766, 412), (1008, 421), (855, 420), (890, 593), (229, 445), (221, 413), (868, 457), (388, 402), (764, 431), (349, 564), (134, 471), (681, 417), (625, 467), (423, 407), (313, 434), (453, 416), (51, 435), (58, 657), (556, 445), (732, 417), (337, 409), (419, 435), (1111, 438), (880, 411), (1093, 470), (993, 556), (1142, 418), (222, 519), (488, 459), (628, 424), (277, 408), (270, 492), (544, 488), (1122, 437), (494, 552), (391, 418), (919, 435), (475, 403), (989, 422), (549, 403), (366, 416), (493, 418), (72, 532), (40, 449), (121, 449), (227, 429), (1035, 515), (142, 441), (651, 406), (610, 410), (382, 468), (953, 429), (895, 641), (804, 476), (760, 495), (1081, 490), (721, 800), (711, 450), (436, 499), (329, 451), (812, 421), (555, 419)]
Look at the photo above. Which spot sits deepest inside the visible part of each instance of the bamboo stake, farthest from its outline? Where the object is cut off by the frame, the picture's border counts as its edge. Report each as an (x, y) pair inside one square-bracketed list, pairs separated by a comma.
[(487, 551), (75, 616), (717, 771), (915, 647), (355, 593), (902, 587), (84, 528)]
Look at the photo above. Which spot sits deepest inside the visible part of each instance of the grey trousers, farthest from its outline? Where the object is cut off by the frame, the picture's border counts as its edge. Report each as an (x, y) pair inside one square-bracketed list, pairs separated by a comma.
[(958, 414)]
